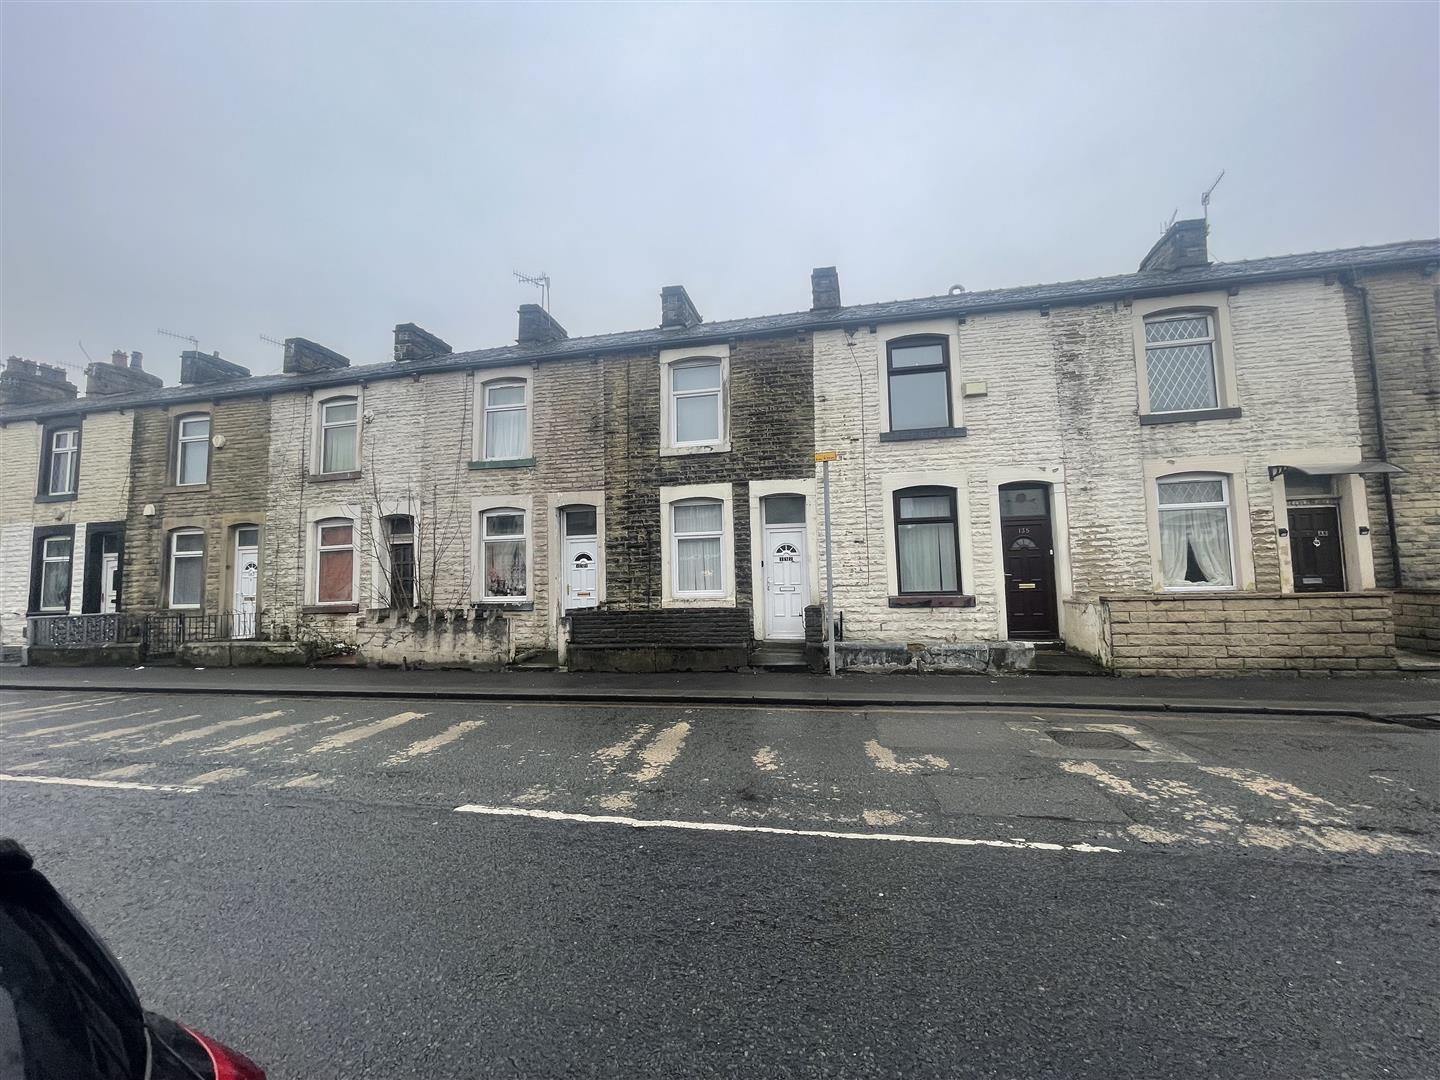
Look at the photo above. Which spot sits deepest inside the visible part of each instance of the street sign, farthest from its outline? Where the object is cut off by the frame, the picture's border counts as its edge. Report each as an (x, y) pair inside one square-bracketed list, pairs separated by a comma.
[(826, 455)]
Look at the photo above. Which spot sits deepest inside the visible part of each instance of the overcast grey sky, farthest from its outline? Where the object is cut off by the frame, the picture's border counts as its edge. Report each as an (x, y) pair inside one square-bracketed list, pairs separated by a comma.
[(330, 170)]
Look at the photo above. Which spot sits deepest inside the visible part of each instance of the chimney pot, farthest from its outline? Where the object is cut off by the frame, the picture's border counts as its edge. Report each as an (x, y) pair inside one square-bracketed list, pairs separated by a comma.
[(677, 311), (824, 289), (118, 358), (135, 360)]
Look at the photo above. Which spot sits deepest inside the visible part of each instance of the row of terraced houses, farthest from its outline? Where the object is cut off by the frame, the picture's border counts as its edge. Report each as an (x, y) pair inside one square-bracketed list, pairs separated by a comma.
[(1194, 468)]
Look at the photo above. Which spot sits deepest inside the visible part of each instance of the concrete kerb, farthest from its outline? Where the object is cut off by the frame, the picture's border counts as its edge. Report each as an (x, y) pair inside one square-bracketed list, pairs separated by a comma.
[(1426, 720)]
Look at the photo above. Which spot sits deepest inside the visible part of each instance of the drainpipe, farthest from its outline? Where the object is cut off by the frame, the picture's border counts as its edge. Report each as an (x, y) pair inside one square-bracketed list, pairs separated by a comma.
[(1364, 294)]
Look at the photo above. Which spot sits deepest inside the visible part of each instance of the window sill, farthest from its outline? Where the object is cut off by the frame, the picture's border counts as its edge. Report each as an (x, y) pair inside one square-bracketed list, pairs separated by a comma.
[(932, 600), (327, 477), (915, 434), (721, 447), (680, 602), (504, 463), (181, 489), (501, 604), (1190, 417), (68, 497), (329, 609)]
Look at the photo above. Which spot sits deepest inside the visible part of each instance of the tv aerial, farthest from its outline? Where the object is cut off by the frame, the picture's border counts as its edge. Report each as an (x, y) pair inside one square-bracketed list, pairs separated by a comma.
[(1205, 195), (541, 281), (194, 341)]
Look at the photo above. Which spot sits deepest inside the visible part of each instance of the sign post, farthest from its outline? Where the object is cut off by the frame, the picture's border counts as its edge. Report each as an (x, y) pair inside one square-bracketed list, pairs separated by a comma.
[(827, 456)]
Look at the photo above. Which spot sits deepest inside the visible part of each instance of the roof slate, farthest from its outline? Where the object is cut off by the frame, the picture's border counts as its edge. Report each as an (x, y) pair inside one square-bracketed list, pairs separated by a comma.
[(1140, 283)]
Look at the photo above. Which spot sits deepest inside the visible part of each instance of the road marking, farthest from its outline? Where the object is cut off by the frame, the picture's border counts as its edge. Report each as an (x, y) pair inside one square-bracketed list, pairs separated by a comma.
[(259, 738), (125, 772), (425, 746), (766, 760), (309, 780), (620, 800), (729, 827), (611, 756), (67, 705), (120, 733), (661, 753), (223, 725), (884, 758), (355, 734), (82, 723), (1308, 808), (1116, 784), (32, 765), (216, 774), (115, 785)]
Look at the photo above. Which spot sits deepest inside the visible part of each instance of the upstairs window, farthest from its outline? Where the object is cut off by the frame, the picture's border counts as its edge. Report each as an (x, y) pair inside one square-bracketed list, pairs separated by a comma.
[(1180, 361), (335, 562), (55, 573), (697, 531), (502, 555), (927, 541), (400, 549), (506, 420), (696, 415), (187, 568), (918, 370), (1195, 530), (339, 435), (192, 450), (63, 461)]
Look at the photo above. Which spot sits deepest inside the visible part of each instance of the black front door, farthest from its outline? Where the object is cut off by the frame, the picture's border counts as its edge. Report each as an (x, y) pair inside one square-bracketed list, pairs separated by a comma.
[(1315, 554), (1029, 577)]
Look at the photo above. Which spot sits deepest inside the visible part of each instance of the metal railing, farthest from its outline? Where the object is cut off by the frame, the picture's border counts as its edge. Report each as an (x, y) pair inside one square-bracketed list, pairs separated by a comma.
[(161, 633)]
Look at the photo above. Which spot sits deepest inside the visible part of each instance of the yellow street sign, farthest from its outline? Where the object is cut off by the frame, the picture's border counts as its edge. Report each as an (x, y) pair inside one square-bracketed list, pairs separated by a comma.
[(826, 455)]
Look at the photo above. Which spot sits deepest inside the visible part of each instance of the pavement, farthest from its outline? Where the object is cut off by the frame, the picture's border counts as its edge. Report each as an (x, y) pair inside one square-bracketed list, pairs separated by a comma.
[(1399, 698), (352, 886)]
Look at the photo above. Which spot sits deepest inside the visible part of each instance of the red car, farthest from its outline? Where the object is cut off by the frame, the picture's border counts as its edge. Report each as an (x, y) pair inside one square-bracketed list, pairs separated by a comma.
[(67, 1009)]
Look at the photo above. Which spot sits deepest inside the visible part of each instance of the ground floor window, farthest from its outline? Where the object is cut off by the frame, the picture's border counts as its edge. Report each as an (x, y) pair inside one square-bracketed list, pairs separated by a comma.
[(697, 532), (927, 540), (335, 562), (400, 549), (187, 568), (55, 573), (1195, 530), (502, 554)]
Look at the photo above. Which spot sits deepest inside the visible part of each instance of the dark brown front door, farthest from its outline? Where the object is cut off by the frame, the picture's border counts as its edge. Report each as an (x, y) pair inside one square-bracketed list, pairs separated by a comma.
[(1029, 566), (1315, 554)]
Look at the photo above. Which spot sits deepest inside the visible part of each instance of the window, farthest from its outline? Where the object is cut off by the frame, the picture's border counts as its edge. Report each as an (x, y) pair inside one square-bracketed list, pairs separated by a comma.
[(64, 459), (400, 547), (919, 375), (784, 510), (192, 450), (505, 420), (55, 573), (695, 402), (1180, 361), (187, 568), (580, 521), (927, 541), (1195, 551), (335, 562), (339, 424), (502, 554), (697, 530)]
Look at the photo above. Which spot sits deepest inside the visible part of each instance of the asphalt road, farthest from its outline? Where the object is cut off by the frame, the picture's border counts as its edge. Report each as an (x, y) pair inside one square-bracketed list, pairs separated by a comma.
[(1174, 897)]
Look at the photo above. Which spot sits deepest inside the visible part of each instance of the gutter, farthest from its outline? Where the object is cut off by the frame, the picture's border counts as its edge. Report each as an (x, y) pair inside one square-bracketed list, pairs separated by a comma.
[(1351, 280)]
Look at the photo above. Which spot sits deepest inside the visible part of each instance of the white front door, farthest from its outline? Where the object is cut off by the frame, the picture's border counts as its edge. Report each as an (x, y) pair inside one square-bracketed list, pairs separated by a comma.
[(580, 572), (247, 576), (109, 574), (786, 582)]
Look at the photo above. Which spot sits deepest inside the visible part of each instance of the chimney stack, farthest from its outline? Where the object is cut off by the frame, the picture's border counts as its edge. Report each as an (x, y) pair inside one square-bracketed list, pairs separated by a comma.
[(1181, 248), (118, 358), (119, 377), (304, 357), (199, 369), (824, 289), (416, 343), (24, 382), (135, 358), (677, 312), (537, 327)]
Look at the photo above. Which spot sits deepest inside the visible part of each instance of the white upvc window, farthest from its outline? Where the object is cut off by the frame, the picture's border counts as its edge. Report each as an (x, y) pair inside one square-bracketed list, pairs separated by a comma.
[(1180, 361), (339, 435), (503, 540), (64, 455), (697, 533), (187, 568), (335, 562), (55, 573), (1196, 530), (192, 450), (697, 416), (505, 420)]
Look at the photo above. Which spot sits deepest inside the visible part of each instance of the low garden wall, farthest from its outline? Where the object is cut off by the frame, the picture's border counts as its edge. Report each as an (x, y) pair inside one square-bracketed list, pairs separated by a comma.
[(1417, 619), (459, 638)]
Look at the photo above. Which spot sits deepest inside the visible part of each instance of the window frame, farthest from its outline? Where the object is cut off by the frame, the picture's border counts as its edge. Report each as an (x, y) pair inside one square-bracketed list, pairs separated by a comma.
[(522, 538), (1227, 394), (928, 491), (676, 536), (68, 560), (72, 455), (891, 373), (321, 548), (670, 361), (323, 427), (486, 409), (170, 559), (182, 441), (1212, 339), (1227, 492), (718, 393)]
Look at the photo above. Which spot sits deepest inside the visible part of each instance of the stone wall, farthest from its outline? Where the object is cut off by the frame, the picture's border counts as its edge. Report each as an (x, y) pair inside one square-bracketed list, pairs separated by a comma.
[(1417, 620), (457, 638), (1333, 633)]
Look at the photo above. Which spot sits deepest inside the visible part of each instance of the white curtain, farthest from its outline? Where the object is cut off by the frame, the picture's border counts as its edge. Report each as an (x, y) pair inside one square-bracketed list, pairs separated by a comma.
[(927, 556), (1206, 533), (504, 434), (697, 564), (338, 453), (697, 517)]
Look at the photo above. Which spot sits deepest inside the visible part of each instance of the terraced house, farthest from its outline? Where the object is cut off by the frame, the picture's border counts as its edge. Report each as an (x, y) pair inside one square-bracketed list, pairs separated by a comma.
[(1196, 467)]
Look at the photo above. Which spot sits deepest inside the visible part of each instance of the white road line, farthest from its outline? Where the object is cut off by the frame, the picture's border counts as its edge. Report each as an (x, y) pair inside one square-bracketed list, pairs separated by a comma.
[(115, 785), (425, 746), (216, 774), (259, 738), (611, 756), (82, 723), (885, 759), (223, 725), (120, 733), (766, 760), (125, 772), (39, 710), (355, 734), (661, 753), (725, 826), (309, 780), (1308, 808), (32, 765)]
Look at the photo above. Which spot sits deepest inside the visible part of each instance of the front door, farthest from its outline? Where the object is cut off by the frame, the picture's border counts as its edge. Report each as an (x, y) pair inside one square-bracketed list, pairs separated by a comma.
[(247, 577), (109, 582), (1029, 563), (1315, 555), (580, 586), (786, 583)]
